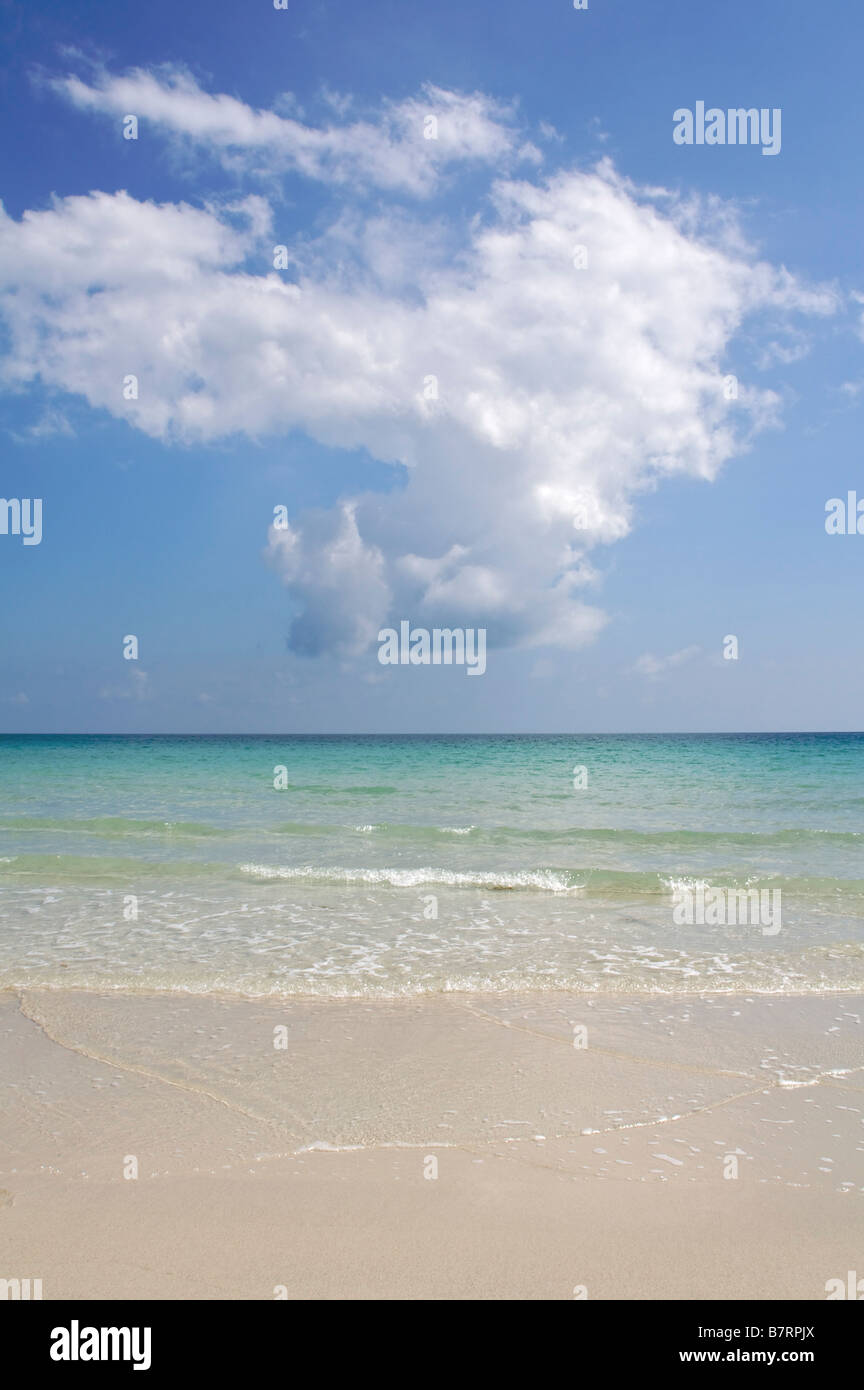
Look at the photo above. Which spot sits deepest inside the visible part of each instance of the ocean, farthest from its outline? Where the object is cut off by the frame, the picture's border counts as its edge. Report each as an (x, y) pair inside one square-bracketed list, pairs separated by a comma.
[(383, 867)]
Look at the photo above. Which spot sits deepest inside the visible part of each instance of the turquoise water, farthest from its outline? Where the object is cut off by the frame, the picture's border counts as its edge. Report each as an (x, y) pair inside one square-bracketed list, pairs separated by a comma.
[(398, 865)]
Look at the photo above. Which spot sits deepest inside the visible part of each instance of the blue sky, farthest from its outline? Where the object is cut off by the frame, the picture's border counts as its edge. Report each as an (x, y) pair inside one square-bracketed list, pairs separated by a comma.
[(560, 388)]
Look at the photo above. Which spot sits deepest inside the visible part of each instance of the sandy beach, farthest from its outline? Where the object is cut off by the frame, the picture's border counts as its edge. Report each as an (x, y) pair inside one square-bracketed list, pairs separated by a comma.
[(542, 1146), (431, 747)]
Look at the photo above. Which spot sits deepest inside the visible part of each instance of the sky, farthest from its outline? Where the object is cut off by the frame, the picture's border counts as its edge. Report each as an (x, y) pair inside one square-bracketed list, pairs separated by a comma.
[(319, 319)]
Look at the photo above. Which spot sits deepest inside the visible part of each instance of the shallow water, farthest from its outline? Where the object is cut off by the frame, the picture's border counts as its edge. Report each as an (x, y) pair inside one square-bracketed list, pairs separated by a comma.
[(388, 866)]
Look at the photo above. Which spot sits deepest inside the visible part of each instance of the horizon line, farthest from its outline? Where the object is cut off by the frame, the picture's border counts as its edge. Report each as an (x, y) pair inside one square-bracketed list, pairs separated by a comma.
[(450, 733)]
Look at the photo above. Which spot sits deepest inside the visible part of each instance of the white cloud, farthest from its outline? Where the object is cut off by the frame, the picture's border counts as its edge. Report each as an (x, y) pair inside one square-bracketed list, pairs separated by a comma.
[(338, 579), (50, 424), (652, 666), (395, 149), (562, 393), (135, 687)]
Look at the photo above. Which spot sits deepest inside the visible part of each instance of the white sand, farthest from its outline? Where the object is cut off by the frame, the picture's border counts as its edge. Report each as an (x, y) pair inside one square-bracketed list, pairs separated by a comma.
[(624, 1192)]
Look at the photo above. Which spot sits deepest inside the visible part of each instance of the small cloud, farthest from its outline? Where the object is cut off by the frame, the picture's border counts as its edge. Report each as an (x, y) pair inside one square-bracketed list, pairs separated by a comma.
[(783, 353), (653, 666), (52, 423), (595, 125), (340, 102), (137, 688)]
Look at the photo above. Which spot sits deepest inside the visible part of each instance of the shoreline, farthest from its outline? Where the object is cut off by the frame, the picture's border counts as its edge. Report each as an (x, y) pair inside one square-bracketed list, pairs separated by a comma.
[(302, 1159)]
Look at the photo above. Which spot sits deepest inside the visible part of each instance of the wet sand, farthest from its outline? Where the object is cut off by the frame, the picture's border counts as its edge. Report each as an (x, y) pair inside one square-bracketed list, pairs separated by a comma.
[(457, 1146)]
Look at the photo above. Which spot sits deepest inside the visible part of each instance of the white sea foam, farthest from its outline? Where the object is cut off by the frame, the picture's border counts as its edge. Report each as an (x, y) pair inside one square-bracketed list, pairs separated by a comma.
[(548, 880)]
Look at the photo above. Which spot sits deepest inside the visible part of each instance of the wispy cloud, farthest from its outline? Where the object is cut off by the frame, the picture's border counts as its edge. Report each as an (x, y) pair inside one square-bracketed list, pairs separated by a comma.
[(50, 425), (136, 687), (653, 666), (404, 145)]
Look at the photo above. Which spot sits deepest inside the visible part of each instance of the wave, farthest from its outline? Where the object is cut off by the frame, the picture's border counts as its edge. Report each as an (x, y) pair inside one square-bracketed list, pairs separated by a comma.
[(596, 882), (675, 838), (335, 789), (671, 838), (826, 969), (112, 826), (547, 880), (52, 869)]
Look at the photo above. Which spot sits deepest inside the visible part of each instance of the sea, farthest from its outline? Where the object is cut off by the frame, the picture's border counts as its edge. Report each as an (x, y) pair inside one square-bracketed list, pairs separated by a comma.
[(400, 866)]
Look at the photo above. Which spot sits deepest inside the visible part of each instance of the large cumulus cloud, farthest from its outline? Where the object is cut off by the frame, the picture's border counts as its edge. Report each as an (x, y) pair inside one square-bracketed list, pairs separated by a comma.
[(568, 353)]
